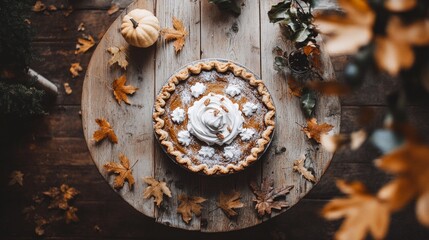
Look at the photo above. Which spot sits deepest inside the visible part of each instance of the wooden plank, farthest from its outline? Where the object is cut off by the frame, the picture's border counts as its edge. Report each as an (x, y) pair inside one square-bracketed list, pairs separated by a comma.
[(167, 62), (229, 37), (132, 123), (288, 136)]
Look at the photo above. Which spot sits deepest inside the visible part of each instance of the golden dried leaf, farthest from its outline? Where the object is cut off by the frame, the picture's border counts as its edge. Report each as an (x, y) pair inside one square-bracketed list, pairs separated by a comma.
[(178, 33), (298, 166), (81, 27), (120, 91), (123, 171), (104, 131), (349, 32), (315, 131), (16, 177), (67, 88), (189, 205), (362, 211), (400, 5), (229, 202), (113, 8), (38, 7), (156, 190), (75, 68), (266, 196), (84, 44), (71, 216), (119, 56), (61, 196), (411, 165)]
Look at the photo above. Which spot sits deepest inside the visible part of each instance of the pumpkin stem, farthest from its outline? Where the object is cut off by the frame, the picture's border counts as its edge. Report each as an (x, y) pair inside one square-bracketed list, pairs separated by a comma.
[(135, 24)]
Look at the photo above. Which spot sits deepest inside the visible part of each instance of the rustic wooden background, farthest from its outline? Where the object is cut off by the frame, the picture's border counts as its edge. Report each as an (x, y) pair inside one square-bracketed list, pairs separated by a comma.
[(51, 150)]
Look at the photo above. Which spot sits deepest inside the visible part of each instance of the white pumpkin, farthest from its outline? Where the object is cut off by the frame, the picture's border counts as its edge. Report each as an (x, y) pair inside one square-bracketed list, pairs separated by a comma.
[(140, 28)]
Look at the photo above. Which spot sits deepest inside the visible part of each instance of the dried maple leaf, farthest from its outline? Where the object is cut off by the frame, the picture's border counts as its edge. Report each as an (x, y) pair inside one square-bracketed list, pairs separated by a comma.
[(84, 44), (119, 56), (104, 131), (266, 196), (189, 205), (298, 165), (315, 131), (120, 90), (123, 170), (16, 177), (67, 88), (347, 33), (178, 33), (229, 202), (411, 165), (294, 87), (362, 211), (38, 7), (394, 51), (75, 68), (156, 190), (113, 8), (70, 215), (61, 196)]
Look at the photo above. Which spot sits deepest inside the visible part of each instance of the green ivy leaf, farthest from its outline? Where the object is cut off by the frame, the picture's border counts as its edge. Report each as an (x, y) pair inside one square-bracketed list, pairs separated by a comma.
[(308, 102), (278, 12), (227, 5)]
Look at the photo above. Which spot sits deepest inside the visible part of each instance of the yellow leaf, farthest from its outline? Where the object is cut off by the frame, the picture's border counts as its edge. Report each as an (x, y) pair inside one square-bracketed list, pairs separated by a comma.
[(84, 44), (189, 205), (156, 190), (229, 202), (178, 33), (120, 91), (104, 131), (119, 56), (123, 171)]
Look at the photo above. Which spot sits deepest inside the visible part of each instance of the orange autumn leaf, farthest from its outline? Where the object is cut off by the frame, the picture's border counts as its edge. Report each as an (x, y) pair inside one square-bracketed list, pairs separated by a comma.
[(362, 213), (189, 205), (120, 91), (70, 215), (157, 190), (229, 202), (298, 166), (84, 44), (267, 196), (294, 87), (347, 33), (177, 34), (75, 68), (411, 165), (123, 171), (61, 196), (105, 131), (38, 6), (315, 131)]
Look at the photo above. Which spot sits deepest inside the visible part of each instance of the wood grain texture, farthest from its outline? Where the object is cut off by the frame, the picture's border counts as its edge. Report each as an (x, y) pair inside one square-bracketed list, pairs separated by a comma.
[(132, 123), (246, 39)]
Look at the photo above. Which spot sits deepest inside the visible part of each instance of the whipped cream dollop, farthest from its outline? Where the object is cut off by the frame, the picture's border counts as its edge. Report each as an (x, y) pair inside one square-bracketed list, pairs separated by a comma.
[(184, 137), (206, 151), (249, 108), (178, 115), (233, 90), (246, 134), (215, 119), (198, 89)]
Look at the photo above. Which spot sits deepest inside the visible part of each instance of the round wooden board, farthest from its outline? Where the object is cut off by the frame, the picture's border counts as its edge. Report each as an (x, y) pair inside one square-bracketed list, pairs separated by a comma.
[(249, 40)]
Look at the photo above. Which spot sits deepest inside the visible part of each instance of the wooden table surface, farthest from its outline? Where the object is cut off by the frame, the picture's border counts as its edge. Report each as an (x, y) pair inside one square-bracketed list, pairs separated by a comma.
[(51, 150)]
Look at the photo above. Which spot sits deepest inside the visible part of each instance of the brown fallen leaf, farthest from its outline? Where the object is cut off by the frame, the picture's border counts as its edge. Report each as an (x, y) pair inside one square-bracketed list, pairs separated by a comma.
[(113, 8), (266, 196), (362, 213), (294, 87), (75, 68), (410, 163), (40, 226), (189, 205), (298, 166), (52, 8), (84, 44), (38, 7), (315, 131), (123, 171), (119, 56), (350, 31), (61, 196), (400, 5), (104, 131), (156, 189), (81, 27), (16, 177), (178, 33), (71, 216), (120, 91), (229, 202), (67, 88)]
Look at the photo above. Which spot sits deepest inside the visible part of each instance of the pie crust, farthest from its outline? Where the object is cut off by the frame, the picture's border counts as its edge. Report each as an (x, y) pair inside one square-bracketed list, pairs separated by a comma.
[(172, 146)]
